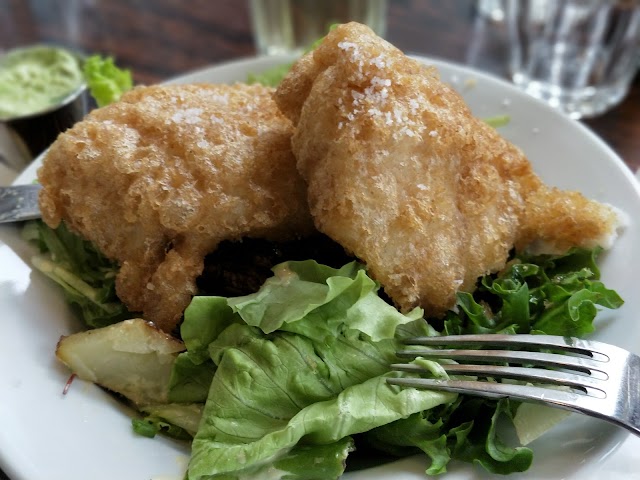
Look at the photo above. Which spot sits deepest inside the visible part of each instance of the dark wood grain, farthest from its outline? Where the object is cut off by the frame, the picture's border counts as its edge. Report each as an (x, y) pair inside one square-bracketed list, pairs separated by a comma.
[(158, 39)]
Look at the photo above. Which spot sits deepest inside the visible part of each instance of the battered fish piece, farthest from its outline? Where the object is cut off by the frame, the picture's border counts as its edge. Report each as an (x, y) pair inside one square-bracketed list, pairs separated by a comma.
[(157, 180), (401, 174)]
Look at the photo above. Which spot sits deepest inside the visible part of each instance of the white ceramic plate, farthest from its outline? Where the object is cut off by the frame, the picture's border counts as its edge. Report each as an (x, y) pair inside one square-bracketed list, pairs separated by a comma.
[(86, 434)]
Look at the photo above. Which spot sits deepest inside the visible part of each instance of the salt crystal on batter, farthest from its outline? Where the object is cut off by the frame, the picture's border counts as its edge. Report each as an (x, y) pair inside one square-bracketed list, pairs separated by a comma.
[(378, 61), (413, 103), (190, 116), (380, 82), (389, 120), (398, 115), (346, 46), (357, 96)]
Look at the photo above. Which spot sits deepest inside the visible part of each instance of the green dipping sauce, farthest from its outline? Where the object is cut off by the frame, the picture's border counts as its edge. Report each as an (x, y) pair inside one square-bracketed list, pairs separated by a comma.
[(36, 79)]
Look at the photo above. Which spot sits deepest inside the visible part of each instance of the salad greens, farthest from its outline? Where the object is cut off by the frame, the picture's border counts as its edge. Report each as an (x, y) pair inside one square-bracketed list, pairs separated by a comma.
[(85, 275), (497, 120), (105, 80), (546, 294), (271, 77), (299, 364), (302, 363)]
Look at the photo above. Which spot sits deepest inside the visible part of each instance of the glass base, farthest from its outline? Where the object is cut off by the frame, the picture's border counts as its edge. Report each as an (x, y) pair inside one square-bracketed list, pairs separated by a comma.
[(577, 103)]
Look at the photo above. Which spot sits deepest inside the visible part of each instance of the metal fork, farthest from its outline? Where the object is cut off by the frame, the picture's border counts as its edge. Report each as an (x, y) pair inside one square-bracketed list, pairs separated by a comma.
[(598, 379)]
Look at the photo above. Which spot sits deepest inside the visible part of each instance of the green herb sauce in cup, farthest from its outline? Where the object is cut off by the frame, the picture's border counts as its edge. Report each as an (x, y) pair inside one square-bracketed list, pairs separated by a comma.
[(41, 95), (36, 79)]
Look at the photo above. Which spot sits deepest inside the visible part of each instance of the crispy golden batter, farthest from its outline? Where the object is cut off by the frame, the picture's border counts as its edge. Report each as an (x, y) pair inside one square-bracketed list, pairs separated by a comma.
[(158, 179), (401, 174)]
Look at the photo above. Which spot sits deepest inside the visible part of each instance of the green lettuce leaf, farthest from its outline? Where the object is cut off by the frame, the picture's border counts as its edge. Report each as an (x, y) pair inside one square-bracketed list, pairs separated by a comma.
[(545, 294), (85, 275), (302, 462), (300, 364), (271, 77), (151, 425), (483, 446), (190, 380), (464, 430), (174, 420), (265, 431), (498, 121), (105, 80), (325, 298)]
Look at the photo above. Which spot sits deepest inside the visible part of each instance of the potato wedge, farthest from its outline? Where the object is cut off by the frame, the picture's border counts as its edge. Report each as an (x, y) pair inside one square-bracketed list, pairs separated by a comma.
[(132, 358)]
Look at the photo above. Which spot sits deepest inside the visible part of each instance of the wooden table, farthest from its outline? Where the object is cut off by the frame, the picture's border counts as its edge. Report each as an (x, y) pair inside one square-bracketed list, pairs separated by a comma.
[(158, 39)]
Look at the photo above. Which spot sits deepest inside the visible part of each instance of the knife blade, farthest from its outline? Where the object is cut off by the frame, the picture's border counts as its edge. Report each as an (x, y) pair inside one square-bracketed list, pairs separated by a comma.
[(19, 203)]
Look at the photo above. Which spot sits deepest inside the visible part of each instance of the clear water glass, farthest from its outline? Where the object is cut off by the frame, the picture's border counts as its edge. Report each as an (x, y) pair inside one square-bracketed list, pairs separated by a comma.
[(291, 26), (580, 56), (491, 9)]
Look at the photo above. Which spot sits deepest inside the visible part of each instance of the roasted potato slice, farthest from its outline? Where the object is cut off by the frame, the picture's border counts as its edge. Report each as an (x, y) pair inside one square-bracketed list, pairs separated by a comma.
[(132, 358)]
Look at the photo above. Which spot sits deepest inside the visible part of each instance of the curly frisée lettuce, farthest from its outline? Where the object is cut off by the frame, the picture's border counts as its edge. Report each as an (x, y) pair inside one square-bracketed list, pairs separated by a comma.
[(85, 275), (544, 294)]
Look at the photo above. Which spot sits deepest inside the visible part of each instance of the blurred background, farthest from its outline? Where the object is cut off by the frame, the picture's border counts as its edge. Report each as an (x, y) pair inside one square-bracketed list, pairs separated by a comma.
[(158, 39), (188, 35)]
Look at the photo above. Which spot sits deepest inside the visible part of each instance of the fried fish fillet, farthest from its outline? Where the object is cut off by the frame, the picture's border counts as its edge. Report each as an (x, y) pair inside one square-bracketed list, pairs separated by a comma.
[(401, 174), (159, 178)]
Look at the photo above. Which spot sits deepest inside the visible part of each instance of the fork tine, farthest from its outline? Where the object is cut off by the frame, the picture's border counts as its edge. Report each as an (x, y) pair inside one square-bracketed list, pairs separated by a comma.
[(565, 344), (560, 398), (534, 375), (585, 365)]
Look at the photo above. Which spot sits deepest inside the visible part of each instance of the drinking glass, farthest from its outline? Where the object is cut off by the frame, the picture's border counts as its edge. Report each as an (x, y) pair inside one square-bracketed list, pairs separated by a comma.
[(291, 26), (580, 56)]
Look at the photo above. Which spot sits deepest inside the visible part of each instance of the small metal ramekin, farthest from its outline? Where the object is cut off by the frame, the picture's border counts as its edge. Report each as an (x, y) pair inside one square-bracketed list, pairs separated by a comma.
[(31, 134)]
